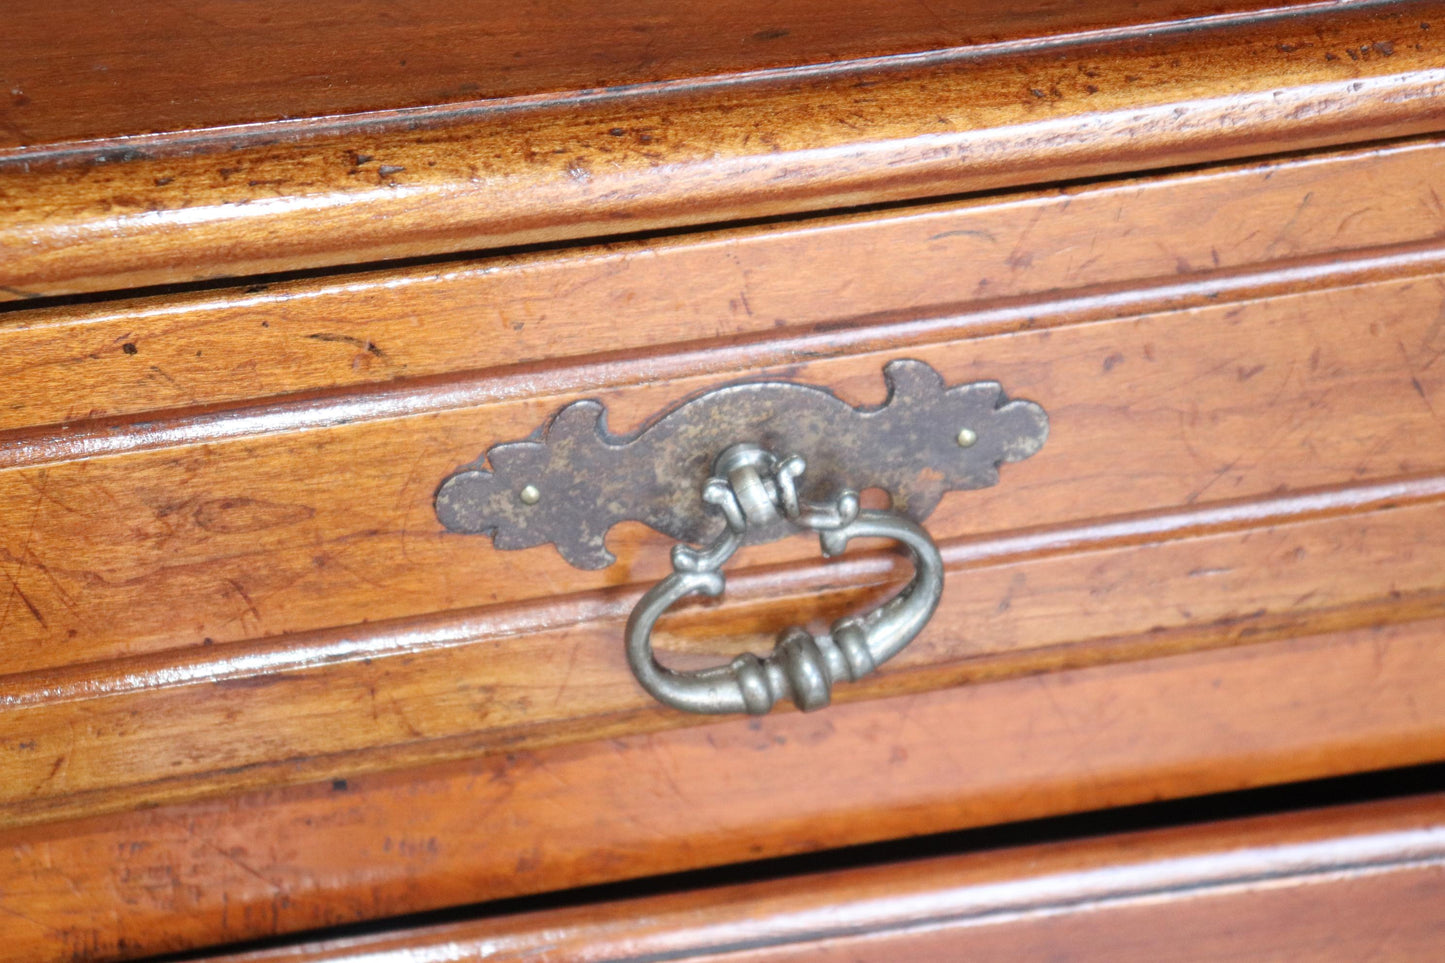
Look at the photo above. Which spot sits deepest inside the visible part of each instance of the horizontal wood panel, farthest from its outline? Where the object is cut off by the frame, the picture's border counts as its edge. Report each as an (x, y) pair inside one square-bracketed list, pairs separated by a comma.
[(100, 738), (1346, 884), (85, 70), (248, 684), (120, 357), (885, 131), (292, 531), (381, 845)]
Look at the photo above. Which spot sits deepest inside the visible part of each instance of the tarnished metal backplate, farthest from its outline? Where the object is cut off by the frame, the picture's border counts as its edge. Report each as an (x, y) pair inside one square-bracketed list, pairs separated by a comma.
[(573, 480)]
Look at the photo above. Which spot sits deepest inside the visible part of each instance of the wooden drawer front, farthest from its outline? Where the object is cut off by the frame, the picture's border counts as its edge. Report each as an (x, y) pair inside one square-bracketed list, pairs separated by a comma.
[(229, 596), (1333, 886), (527, 821), (780, 108), (1244, 436)]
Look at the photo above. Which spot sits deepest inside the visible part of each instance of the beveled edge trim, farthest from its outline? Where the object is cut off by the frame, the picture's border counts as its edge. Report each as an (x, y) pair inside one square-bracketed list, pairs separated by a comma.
[(403, 398), (306, 651), (1016, 885), (543, 179), (121, 148), (1230, 721)]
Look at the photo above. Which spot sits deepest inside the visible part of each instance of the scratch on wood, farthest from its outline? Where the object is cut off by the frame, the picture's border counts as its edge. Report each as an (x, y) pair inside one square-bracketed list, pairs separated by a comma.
[(361, 343), (250, 606), (24, 550), (28, 604)]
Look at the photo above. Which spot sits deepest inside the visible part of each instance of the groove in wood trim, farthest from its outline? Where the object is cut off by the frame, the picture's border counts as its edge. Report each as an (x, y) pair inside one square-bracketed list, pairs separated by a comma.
[(35, 311), (1424, 608), (1239, 870), (1223, 727), (1236, 871), (291, 129), (934, 893), (1226, 516), (378, 640), (46, 445), (713, 173)]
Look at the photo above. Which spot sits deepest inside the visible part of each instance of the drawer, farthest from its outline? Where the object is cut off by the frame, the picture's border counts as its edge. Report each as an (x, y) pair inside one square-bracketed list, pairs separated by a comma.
[(579, 123), (235, 612), (1343, 883), (251, 684), (1244, 452)]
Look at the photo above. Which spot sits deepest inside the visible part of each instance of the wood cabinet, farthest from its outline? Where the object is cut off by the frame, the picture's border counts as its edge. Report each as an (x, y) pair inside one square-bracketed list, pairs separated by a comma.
[(271, 273)]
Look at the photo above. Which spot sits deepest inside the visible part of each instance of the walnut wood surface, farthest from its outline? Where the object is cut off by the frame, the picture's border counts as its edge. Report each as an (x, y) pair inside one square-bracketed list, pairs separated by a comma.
[(83, 70), (1207, 228), (1347, 884), (969, 119), (247, 580), (374, 846), (231, 528), (141, 731), (248, 686)]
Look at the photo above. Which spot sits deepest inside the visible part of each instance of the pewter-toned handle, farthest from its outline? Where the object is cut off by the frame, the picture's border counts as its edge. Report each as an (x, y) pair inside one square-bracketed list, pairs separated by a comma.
[(751, 486), (571, 480)]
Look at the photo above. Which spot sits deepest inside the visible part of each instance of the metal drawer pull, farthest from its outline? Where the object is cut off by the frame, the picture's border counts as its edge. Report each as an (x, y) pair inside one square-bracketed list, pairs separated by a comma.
[(752, 486), (572, 479)]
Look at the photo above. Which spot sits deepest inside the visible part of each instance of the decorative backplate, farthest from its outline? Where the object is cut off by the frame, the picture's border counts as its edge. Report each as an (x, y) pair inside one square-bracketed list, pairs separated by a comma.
[(573, 480)]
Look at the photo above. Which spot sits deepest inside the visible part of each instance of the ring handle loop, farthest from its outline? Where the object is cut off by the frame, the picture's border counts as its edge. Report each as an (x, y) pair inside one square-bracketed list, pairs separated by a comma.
[(802, 667)]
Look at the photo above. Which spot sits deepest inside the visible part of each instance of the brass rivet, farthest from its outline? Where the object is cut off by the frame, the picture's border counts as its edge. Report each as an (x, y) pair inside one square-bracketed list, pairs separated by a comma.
[(966, 437), (530, 495)]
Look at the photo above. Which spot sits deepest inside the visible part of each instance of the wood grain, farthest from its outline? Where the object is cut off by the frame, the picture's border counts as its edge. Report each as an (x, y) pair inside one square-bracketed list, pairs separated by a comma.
[(145, 731), (1323, 75), (374, 846), (154, 67), (209, 539), (1345, 884), (248, 686), (84, 362)]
